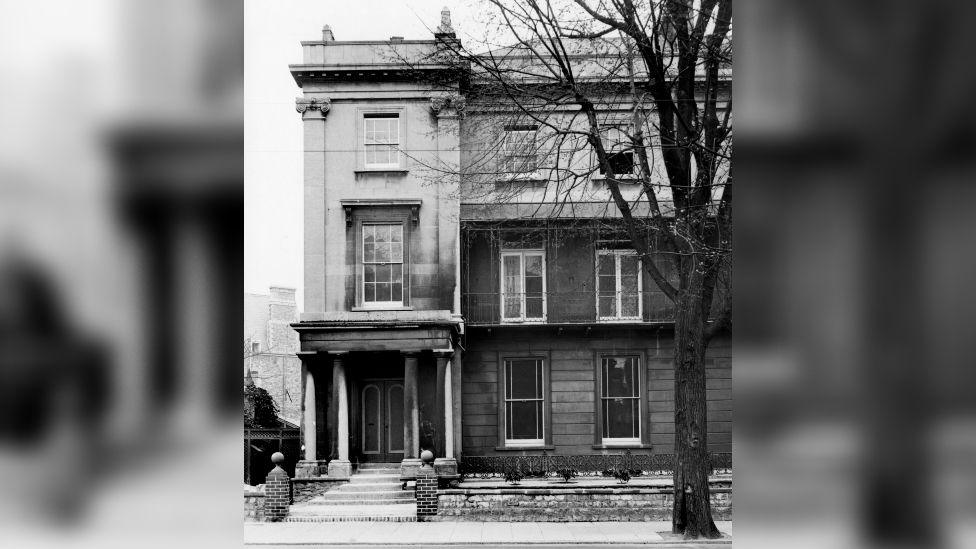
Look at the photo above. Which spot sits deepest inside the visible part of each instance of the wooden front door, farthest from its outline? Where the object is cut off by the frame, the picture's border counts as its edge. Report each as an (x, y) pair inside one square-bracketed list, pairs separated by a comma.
[(381, 420)]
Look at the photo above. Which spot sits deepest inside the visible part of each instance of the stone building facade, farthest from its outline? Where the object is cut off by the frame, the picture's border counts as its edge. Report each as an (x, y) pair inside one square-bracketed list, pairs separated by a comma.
[(270, 347), (440, 318)]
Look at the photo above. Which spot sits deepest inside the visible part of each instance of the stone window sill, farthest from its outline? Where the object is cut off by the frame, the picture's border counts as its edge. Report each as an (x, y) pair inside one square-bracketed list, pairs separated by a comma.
[(621, 446), (380, 309), (519, 448), (387, 171), (625, 179)]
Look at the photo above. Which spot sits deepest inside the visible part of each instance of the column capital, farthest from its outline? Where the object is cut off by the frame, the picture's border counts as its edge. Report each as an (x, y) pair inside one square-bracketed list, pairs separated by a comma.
[(310, 105), (448, 106)]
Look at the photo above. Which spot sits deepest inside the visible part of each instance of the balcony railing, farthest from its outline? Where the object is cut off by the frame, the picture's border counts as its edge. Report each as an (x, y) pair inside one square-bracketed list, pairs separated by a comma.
[(496, 308)]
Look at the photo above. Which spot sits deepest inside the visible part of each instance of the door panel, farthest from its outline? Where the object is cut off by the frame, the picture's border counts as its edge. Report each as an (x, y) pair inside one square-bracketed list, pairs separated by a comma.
[(372, 414), (394, 417), (381, 418)]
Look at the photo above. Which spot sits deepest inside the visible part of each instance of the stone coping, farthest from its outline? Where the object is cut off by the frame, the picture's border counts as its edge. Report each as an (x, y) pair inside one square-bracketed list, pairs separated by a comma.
[(656, 483)]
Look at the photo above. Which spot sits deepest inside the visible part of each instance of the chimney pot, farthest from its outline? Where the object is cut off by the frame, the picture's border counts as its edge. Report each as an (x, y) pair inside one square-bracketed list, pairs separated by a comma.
[(327, 35), (396, 39)]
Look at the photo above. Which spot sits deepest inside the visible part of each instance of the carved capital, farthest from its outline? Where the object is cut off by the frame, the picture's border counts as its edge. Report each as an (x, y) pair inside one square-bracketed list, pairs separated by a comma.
[(302, 105), (447, 105)]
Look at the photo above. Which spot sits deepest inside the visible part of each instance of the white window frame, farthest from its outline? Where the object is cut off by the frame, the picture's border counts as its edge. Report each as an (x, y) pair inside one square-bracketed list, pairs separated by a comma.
[(396, 145), (622, 130), (402, 263), (501, 283), (508, 166), (629, 441), (640, 286), (524, 442)]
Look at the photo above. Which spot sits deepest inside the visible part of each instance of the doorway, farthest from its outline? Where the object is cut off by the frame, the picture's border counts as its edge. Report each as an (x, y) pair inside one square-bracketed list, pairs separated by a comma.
[(381, 420)]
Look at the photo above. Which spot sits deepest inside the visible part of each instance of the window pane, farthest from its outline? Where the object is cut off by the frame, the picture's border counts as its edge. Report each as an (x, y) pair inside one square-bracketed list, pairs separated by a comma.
[(397, 272), (608, 304), (383, 290), (382, 273), (523, 381), (397, 291), (397, 233), (533, 265), (369, 273), (619, 377), (619, 418), (369, 292), (622, 163), (533, 307), (396, 252), (524, 420), (605, 265)]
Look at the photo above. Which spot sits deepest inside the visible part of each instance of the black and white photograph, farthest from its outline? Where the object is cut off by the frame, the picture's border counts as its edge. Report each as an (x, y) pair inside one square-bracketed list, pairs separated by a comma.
[(484, 261)]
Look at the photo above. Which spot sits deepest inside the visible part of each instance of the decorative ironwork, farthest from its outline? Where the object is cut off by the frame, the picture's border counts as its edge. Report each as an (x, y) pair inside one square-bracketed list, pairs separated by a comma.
[(545, 465), (260, 444)]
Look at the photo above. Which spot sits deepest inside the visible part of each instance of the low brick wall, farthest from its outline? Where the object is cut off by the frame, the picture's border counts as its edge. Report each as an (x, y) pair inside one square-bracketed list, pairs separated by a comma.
[(304, 489), (254, 504), (567, 502)]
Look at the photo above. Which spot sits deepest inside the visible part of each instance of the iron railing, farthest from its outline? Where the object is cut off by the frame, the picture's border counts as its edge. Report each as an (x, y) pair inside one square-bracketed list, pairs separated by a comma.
[(545, 465), (495, 308)]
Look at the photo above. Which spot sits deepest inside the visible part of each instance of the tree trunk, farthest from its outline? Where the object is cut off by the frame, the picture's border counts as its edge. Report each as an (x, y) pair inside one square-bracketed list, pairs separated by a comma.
[(692, 512)]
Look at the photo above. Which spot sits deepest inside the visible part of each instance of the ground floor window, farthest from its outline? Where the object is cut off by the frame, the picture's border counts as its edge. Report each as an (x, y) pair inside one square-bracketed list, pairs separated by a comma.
[(620, 390), (524, 380)]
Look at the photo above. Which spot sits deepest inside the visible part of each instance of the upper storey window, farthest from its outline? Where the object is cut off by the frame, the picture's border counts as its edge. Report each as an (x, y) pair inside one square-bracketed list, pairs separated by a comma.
[(618, 284), (381, 134), (620, 151), (383, 265), (519, 150)]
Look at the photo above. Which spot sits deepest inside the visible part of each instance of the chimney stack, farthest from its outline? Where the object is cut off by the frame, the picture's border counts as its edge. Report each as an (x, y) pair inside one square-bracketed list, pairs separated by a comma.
[(327, 35), (445, 28)]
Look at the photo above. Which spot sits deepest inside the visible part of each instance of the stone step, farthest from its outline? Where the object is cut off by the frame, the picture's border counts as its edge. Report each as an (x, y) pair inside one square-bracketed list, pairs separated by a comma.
[(364, 479), (370, 487), (367, 495), (329, 496), (359, 501), (365, 466), (366, 513)]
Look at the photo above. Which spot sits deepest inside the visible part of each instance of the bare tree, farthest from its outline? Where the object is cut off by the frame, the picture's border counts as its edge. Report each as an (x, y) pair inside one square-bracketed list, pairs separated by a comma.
[(625, 103)]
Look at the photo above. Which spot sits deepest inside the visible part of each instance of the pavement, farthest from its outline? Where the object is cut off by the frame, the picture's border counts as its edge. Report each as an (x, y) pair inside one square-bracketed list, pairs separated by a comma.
[(444, 535)]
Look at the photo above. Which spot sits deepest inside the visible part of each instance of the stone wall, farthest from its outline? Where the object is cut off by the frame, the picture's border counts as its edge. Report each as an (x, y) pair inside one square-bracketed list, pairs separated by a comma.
[(304, 489), (565, 504), (254, 503)]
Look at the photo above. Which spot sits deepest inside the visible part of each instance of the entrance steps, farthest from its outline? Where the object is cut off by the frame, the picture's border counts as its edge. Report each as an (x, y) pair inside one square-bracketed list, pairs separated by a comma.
[(373, 493)]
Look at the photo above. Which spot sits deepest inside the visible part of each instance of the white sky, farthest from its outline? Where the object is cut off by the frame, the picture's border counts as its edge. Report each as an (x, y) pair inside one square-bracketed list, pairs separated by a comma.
[(272, 128)]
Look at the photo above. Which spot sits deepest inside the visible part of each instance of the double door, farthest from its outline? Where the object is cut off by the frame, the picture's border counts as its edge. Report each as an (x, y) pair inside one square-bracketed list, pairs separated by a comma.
[(381, 420)]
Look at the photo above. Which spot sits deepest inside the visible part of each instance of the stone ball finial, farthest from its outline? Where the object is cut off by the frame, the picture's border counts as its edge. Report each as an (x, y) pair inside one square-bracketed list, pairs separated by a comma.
[(277, 458), (427, 457)]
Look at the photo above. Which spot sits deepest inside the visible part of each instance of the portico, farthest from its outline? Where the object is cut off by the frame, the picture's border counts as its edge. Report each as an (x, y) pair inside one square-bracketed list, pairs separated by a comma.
[(379, 387)]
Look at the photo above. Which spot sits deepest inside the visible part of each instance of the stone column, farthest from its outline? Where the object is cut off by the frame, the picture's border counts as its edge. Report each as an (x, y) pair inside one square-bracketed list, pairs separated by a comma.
[(447, 465), (310, 439), (309, 465), (411, 418), (340, 467)]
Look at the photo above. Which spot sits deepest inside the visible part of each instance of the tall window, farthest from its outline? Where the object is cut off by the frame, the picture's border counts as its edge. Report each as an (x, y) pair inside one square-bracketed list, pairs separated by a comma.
[(382, 265), (620, 399), (524, 402), (620, 151), (618, 285), (523, 296), (381, 133), (519, 150)]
